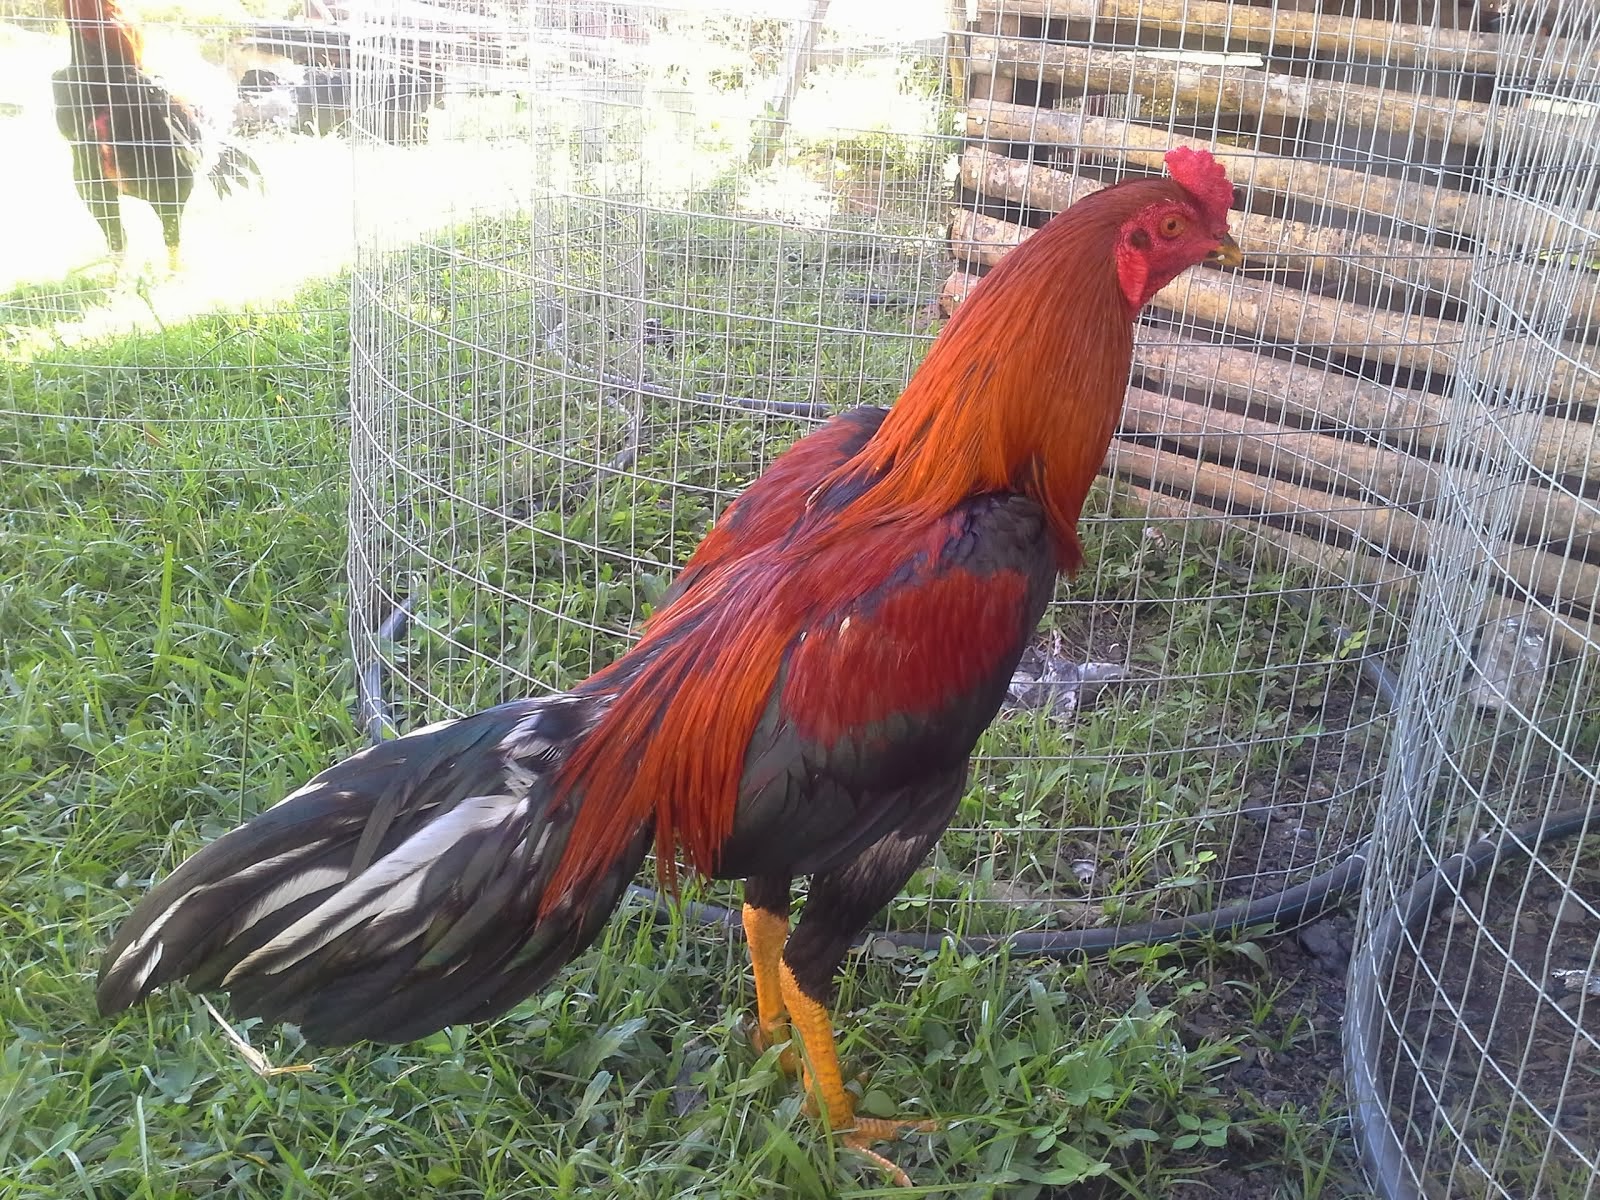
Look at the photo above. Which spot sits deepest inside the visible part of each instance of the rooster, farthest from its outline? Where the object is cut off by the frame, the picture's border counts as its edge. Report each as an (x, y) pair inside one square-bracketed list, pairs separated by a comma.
[(804, 703), (129, 134)]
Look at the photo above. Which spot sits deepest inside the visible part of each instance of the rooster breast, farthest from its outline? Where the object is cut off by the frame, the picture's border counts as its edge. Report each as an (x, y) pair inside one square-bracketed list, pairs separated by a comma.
[(885, 693)]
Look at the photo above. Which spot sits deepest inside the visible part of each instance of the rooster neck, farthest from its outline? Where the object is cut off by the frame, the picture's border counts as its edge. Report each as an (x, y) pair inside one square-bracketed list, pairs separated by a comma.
[(101, 35), (1020, 393)]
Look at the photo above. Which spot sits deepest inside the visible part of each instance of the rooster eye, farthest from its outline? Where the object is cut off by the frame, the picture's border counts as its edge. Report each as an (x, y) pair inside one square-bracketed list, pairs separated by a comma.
[(1172, 225)]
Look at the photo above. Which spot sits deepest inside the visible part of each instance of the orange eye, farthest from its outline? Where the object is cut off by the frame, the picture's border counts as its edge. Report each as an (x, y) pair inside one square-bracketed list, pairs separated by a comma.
[(1172, 225)]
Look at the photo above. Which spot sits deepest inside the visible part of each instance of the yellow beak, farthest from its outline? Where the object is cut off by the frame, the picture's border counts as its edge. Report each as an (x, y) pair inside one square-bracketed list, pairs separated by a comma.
[(1228, 253)]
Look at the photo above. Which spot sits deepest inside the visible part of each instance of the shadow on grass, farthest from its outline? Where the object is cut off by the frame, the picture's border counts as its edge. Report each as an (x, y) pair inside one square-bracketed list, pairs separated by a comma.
[(38, 302), (220, 394)]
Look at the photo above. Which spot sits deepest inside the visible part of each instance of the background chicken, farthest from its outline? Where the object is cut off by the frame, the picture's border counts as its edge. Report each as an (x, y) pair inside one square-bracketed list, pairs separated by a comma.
[(129, 134), (804, 703)]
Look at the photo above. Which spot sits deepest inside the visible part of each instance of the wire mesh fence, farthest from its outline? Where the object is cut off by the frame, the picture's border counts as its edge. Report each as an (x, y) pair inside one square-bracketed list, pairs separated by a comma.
[(1359, 467), (1473, 1039), (652, 311), (610, 259), (556, 395)]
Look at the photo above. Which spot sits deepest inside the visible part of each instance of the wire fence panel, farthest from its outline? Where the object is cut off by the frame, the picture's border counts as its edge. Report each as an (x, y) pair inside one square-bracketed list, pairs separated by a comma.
[(686, 267), (707, 231), (1473, 1041), (1355, 475), (126, 361)]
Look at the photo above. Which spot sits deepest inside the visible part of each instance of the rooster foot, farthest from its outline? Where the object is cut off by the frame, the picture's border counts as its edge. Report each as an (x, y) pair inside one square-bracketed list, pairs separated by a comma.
[(860, 1134), (869, 1130), (764, 1037)]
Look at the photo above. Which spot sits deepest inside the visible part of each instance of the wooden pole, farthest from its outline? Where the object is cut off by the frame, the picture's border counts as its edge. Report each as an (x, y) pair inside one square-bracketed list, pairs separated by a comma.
[(956, 50), (1387, 531), (1394, 583), (1341, 256), (1114, 142), (988, 81), (1371, 474), (1275, 313), (1346, 415), (1413, 421), (1372, 528), (1277, 28), (1197, 88), (1552, 516)]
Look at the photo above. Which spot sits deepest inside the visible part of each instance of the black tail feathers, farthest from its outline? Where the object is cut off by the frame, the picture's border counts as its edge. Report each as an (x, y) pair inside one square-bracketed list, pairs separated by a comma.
[(394, 894), (232, 169)]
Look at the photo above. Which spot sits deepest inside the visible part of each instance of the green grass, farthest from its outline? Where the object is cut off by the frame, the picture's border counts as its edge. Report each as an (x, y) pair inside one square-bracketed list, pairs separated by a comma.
[(175, 626), (173, 657)]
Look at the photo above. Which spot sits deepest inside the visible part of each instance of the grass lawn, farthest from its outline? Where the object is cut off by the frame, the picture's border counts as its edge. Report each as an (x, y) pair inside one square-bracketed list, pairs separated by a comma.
[(174, 656)]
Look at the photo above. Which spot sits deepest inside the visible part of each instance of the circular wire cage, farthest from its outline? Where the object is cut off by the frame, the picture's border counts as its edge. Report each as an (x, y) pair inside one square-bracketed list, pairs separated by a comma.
[(694, 248), (1353, 474), (1474, 1042)]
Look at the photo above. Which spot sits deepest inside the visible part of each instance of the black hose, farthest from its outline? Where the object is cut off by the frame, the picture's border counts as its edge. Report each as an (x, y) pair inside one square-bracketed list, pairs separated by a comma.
[(1382, 1153), (1321, 894)]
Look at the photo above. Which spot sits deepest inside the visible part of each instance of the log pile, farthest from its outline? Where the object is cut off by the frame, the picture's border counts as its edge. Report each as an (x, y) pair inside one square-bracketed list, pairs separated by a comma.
[(1315, 396)]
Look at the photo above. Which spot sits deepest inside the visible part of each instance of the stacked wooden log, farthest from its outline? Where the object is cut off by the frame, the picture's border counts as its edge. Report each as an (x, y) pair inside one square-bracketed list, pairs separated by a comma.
[(1312, 397)]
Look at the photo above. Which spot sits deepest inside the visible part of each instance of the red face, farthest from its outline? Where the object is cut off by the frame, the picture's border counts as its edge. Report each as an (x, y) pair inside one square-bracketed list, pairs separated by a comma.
[(1159, 243)]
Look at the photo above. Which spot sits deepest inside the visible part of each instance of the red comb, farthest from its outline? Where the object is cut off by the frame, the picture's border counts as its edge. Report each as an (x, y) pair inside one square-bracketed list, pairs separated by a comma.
[(1203, 177)]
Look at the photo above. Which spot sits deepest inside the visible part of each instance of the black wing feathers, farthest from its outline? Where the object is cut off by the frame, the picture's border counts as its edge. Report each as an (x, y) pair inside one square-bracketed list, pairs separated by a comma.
[(806, 806)]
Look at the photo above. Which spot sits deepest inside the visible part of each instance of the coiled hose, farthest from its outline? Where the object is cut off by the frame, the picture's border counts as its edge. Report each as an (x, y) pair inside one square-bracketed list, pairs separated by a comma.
[(1382, 1153), (1305, 902)]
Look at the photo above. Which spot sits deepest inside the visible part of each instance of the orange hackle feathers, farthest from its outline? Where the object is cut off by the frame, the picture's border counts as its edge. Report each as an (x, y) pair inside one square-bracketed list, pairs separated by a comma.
[(104, 24), (1014, 394), (1020, 393)]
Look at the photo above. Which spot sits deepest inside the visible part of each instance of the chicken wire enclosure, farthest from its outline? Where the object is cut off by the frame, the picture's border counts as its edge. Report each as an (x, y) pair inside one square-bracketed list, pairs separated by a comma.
[(696, 232), (710, 230), (1474, 1041)]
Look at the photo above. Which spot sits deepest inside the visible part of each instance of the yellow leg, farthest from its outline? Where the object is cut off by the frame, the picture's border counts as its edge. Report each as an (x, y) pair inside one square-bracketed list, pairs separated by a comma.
[(825, 1083), (766, 932), (174, 259)]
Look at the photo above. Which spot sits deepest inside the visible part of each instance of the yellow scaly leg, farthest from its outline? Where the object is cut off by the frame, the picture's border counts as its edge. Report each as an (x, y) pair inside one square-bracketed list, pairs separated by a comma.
[(826, 1085), (766, 933)]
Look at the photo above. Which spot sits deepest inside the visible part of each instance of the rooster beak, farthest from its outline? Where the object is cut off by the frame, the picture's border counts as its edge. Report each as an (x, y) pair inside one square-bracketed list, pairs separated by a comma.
[(1228, 253)]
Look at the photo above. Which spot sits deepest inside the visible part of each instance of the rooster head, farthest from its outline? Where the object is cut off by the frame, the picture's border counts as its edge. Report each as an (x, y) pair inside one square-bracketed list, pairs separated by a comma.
[(1185, 222)]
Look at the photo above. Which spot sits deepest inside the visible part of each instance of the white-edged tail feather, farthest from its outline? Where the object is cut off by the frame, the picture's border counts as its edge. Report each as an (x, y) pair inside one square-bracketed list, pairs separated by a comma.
[(388, 889), (394, 893)]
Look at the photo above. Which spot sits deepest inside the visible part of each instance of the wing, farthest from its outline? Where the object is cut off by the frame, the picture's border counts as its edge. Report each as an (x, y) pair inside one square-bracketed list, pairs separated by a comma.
[(890, 689), (773, 504), (157, 139), (75, 104), (867, 654)]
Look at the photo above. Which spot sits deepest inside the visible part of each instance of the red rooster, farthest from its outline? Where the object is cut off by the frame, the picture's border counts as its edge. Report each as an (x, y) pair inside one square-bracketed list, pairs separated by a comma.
[(129, 134), (804, 703)]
